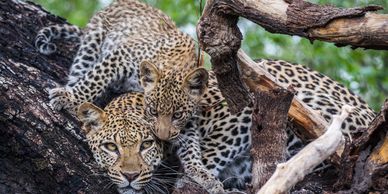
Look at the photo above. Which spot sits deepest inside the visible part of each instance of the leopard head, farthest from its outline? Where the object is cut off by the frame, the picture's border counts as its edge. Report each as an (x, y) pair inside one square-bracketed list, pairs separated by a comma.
[(171, 98), (123, 145)]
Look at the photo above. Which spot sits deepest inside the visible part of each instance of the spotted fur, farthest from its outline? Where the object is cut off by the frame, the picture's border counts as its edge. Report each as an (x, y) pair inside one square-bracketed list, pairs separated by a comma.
[(114, 43), (122, 142), (44, 41), (322, 94), (167, 96), (213, 144)]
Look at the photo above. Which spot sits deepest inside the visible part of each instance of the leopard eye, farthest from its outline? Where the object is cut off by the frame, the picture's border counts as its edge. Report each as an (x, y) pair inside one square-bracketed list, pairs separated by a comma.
[(152, 111), (146, 144), (177, 115), (110, 147)]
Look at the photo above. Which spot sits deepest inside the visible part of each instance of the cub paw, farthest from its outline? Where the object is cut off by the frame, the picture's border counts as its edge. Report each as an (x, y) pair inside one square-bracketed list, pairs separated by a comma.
[(60, 98), (214, 187), (207, 181)]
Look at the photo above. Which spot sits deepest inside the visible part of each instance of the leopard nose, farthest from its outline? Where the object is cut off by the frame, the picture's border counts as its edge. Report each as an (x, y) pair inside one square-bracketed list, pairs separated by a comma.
[(131, 176)]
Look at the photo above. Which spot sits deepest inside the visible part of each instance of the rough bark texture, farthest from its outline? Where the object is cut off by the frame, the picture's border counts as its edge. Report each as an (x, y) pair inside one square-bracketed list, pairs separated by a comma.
[(341, 26), (297, 167), (41, 151), (269, 134), (220, 38), (365, 165), (257, 79)]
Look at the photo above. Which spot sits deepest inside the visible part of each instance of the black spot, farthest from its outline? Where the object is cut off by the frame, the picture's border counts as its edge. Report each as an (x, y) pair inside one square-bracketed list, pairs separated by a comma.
[(235, 131), (244, 130), (234, 120), (229, 142), (246, 139), (216, 136), (332, 111), (225, 154), (307, 100)]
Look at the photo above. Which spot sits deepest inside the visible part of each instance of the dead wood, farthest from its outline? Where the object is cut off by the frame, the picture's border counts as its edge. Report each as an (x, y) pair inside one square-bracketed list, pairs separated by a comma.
[(268, 134), (365, 165), (295, 169), (356, 27)]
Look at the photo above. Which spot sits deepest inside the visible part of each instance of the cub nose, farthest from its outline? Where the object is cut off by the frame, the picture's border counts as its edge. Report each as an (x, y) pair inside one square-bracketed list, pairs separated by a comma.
[(131, 176)]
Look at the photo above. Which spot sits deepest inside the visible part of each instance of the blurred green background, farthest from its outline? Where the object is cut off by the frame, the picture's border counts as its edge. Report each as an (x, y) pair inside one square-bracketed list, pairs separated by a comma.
[(363, 71)]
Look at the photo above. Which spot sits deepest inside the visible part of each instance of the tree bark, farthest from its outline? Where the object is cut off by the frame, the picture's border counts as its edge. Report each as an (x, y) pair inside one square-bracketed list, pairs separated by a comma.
[(343, 26), (269, 134), (41, 151)]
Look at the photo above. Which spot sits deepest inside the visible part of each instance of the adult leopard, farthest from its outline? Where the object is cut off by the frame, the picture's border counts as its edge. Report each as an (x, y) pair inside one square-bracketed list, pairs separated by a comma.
[(121, 142), (113, 45)]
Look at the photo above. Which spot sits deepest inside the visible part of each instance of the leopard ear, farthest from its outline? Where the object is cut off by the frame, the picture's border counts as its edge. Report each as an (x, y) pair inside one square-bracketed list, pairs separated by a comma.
[(196, 83), (149, 75), (92, 118)]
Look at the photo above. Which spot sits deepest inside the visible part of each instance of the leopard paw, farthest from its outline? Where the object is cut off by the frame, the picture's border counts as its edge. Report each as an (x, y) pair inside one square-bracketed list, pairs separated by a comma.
[(61, 98), (214, 187), (207, 180)]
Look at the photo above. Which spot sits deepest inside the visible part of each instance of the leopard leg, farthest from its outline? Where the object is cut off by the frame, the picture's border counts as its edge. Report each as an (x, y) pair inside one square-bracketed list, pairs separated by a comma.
[(189, 153), (95, 82), (89, 51)]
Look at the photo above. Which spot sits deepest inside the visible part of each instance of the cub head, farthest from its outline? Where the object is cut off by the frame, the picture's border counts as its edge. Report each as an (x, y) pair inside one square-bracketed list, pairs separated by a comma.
[(171, 98), (123, 145)]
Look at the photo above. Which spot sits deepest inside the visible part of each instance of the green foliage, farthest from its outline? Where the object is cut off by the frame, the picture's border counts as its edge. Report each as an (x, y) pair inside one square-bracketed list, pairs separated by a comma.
[(363, 71)]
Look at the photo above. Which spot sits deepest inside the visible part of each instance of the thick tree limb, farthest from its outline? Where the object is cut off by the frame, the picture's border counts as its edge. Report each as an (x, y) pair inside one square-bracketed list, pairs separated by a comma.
[(41, 151), (220, 37), (289, 173), (353, 26)]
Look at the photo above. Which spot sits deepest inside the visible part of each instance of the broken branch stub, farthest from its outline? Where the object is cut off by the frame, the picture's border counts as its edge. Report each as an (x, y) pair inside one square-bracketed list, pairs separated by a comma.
[(258, 79), (289, 173), (269, 134)]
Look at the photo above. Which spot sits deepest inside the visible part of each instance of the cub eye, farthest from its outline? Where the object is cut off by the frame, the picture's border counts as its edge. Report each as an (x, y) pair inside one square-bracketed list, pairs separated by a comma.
[(152, 111), (177, 115), (110, 146), (146, 144)]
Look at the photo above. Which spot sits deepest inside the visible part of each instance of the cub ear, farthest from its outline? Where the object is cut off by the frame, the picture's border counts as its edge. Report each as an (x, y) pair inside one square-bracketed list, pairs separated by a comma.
[(92, 118), (149, 75), (196, 82)]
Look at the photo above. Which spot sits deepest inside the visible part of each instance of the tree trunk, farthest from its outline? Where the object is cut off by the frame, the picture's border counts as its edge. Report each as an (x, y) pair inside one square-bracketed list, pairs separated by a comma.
[(41, 150)]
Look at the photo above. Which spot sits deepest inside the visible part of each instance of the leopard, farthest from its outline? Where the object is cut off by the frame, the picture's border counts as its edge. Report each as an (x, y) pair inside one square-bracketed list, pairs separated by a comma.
[(171, 106), (122, 141), (111, 48), (123, 144)]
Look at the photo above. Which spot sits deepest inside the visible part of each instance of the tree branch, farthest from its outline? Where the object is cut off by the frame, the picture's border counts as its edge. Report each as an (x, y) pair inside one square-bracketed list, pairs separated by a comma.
[(220, 37), (289, 173), (342, 26)]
